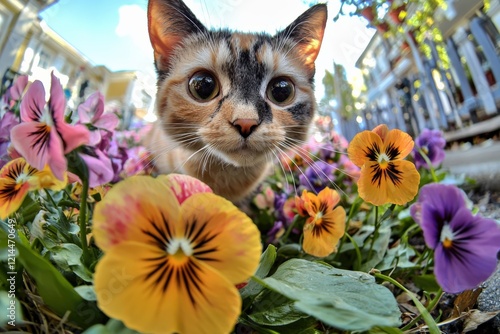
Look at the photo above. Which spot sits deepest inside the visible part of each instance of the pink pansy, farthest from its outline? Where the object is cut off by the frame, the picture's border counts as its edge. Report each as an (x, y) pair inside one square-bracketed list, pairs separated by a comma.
[(16, 91), (137, 160), (99, 167), (289, 209), (92, 112), (184, 186), (265, 200), (7, 122), (43, 137)]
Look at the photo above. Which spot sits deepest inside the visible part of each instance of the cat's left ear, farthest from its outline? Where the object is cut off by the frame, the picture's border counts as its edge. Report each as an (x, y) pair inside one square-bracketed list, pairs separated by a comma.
[(307, 31)]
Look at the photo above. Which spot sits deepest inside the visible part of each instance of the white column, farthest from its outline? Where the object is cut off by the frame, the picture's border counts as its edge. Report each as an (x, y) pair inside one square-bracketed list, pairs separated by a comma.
[(16, 37), (466, 47)]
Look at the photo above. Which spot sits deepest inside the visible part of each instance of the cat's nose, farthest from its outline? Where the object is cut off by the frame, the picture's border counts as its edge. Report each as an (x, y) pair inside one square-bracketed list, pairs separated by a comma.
[(245, 126)]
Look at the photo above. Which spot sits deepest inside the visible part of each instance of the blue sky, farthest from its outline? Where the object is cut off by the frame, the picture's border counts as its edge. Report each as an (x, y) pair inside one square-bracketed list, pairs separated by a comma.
[(114, 32)]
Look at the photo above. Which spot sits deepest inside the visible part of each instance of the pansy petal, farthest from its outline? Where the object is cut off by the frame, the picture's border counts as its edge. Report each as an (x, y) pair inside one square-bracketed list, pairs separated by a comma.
[(321, 237), (431, 223), (457, 271), (470, 258), (329, 198), (397, 184), (382, 131), (222, 235), (94, 138), (11, 196), (447, 198), (92, 108), (73, 136), (475, 234), (398, 144), (100, 168), (300, 204), (40, 145), (33, 103), (184, 186), (17, 89), (107, 121), (365, 146), (47, 180), (135, 283), (137, 209), (57, 101), (311, 203)]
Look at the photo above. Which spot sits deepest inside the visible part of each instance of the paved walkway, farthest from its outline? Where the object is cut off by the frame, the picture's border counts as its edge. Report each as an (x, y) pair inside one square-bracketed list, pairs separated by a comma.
[(481, 162)]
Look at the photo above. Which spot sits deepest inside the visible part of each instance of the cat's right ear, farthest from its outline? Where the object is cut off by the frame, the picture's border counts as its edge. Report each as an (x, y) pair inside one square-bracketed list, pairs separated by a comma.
[(169, 21)]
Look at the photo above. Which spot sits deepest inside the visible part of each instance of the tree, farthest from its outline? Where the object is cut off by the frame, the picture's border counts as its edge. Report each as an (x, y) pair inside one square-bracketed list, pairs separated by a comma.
[(338, 89)]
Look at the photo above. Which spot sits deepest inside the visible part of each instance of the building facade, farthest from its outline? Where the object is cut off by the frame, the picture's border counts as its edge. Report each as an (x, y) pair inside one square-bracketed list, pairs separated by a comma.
[(30, 47), (408, 90)]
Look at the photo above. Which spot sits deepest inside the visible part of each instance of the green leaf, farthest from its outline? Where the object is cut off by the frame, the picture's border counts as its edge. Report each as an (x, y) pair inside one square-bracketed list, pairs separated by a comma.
[(379, 249), (87, 292), (112, 327), (57, 293), (301, 326), (68, 258), (66, 255), (347, 300), (399, 257), (275, 309), (266, 262), (426, 282), (383, 330)]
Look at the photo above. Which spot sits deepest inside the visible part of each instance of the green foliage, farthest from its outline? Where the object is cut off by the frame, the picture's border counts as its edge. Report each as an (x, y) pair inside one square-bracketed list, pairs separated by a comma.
[(343, 299), (54, 289), (338, 89)]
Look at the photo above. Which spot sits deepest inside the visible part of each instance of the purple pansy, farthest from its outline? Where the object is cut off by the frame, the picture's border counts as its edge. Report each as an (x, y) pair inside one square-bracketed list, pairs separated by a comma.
[(7, 122), (317, 176), (99, 167), (465, 246), (432, 143), (91, 112)]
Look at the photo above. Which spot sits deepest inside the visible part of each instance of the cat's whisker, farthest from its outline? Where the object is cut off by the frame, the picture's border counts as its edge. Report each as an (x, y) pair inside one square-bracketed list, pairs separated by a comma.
[(318, 171), (298, 168), (323, 146), (299, 150), (280, 163), (179, 168)]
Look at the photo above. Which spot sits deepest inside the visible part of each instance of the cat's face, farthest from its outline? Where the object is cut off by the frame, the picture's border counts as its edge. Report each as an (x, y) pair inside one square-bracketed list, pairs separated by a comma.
[(243, 98)]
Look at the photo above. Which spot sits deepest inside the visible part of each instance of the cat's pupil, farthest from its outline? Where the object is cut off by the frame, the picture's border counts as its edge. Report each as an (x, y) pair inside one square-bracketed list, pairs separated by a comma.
[(203, 86), (280, 90)]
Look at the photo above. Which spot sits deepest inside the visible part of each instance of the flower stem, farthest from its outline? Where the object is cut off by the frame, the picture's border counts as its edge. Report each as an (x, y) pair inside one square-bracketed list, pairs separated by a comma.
[(430, 307), (82, 219), (358, 252), (284, 238), (429, 164), (354, 207), (433, 328), (375, 234)]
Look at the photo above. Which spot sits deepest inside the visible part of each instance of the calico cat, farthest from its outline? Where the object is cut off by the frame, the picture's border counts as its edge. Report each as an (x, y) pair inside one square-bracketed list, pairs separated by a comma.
[(230, 103)]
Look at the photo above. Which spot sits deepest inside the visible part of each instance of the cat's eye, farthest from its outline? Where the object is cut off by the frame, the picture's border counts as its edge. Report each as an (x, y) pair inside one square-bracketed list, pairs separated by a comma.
[(280, 90), (203, 86)]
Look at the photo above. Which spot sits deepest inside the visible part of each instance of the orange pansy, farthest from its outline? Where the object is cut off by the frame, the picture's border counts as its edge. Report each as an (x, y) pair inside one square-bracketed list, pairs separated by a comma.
[(385, 176), (17, 178), (325, 224), (171, 267)]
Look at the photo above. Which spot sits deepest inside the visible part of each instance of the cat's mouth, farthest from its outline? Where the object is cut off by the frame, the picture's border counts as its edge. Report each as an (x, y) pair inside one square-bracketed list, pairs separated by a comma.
[(244, 155)]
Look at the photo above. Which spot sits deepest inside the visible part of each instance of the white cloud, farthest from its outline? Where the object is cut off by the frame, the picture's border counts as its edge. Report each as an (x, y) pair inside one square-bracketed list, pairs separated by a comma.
[(133, 24)]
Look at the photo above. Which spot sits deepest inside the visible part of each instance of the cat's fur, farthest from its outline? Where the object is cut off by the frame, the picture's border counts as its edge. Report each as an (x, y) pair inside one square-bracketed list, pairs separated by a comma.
[(230, 140)]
